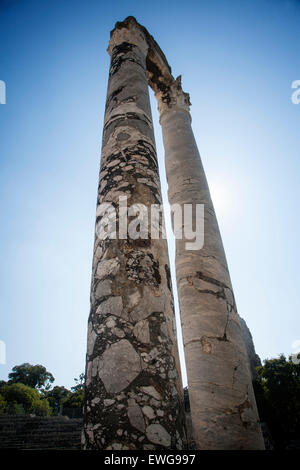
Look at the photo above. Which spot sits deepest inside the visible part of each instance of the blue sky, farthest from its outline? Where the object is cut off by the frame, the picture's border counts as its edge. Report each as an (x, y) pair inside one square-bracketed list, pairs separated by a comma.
[(238, 60)]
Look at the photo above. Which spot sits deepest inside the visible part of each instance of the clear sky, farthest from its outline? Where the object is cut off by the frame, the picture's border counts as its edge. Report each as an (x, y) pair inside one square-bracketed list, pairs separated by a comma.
[(238, 60)]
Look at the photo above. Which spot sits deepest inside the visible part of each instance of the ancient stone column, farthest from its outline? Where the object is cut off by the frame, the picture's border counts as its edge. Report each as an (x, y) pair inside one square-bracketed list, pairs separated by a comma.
[(133, 397), (223, 407)]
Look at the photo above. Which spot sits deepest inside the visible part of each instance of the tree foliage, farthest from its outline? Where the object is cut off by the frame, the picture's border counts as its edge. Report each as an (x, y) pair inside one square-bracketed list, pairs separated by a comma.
[(20, 398), (33, 376), (3, 404), (56, 398), (28, 390), (74, 400), (79, 383), (277, 391)]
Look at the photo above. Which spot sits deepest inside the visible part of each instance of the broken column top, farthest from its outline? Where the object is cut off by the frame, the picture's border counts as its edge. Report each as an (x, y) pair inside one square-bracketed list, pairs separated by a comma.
[(131, 23), (168, 91)]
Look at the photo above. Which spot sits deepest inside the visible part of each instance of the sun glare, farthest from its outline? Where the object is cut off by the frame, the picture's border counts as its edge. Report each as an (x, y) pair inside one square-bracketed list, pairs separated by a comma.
[(225, 198)]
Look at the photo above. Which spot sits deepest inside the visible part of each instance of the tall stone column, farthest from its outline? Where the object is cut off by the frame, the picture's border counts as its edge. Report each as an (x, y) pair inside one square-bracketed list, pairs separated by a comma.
[(133, 397), (223, 407)]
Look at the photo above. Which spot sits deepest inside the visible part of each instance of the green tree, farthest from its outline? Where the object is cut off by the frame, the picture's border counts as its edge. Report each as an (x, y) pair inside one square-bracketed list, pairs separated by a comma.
[(41, 408), (3, 404), (21, 398), (74, 400), (277, 391), (33, 376), (79, 383), (56, 397)]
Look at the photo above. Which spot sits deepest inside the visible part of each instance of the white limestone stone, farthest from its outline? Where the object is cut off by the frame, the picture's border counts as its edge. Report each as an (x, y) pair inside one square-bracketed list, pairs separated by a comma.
[(111, 322), (95, 364), (92, 335), (118, 332), (113, 305), (108, 402), (119, 366), (103, 288), (149, 303), (136, 418), (95, 401), (141, 331), (107, 267), (148, 412), (158, 435), (150, 390)]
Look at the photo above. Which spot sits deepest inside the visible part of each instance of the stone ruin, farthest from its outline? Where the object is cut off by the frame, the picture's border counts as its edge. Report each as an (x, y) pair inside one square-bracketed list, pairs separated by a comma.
[(134, 394)]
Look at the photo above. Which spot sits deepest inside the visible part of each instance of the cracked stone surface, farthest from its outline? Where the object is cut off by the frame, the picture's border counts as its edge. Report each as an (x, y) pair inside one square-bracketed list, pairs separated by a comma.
[(141, 331), (136, 417), (118, 366), (112, 305), (132, 362), (152, 392), (103, 289), (213, 341), (107, 267), (158, 435), (148, 412), (254, 359), (92, 335), (148, 304)]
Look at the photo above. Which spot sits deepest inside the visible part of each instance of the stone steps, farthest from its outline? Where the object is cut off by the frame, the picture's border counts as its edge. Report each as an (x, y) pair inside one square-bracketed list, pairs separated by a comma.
[(34, 432)]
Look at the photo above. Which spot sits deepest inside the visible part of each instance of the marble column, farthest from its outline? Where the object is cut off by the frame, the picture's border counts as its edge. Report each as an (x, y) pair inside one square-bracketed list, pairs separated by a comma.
[(133, 396), (223, 407)]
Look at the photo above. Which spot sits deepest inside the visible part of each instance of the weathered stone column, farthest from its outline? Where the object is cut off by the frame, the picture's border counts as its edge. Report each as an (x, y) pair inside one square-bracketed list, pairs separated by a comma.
[(134, 397), (223, 407)]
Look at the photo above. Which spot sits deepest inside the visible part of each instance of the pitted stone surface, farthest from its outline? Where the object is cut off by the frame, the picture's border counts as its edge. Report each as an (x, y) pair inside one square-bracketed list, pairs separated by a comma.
[(148, 412), (152, 392), (95, 364), (107, 267), (149, 304), (141, 331), (103, 288), (131, 296), (158, 435), (92, 335), (119, 366), (108, 402), (142, 268), (136, 417), (112, 305)]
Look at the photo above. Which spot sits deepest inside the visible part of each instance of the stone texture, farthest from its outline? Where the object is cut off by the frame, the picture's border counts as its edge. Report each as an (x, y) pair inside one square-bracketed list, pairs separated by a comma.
[(136, 417), (103, 288), (145, 365), (119, 366), (148, 412), (107, 267), (92, 335), (158, 435), (131, 340), (152, 392), (217, 364), (149, 303), (108, 402), (112, 305), (26, 432), (141, 331), (254, 359)]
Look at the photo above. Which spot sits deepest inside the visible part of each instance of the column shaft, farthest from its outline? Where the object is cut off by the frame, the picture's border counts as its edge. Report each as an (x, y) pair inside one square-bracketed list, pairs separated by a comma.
[(223, 407), (133, 397)]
